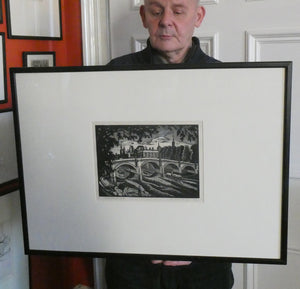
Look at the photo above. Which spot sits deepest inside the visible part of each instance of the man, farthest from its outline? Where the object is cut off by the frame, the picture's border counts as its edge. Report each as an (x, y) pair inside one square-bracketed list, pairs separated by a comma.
[(171, 25)]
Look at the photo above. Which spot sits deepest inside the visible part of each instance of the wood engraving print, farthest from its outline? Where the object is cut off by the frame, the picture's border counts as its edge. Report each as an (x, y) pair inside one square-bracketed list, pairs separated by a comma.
[(159, 161)]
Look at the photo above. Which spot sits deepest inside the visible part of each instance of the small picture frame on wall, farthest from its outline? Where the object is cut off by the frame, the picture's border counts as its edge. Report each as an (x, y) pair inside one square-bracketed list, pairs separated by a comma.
[(1, 13), (38, 59), (3, 85), (33, 19)]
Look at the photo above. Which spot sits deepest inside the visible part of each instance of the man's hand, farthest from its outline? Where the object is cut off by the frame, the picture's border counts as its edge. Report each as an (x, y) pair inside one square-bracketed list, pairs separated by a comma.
[(172, 263)]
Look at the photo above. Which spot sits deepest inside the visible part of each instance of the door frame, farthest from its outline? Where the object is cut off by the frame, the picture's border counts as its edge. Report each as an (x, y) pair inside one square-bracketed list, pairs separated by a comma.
[(95, 32)]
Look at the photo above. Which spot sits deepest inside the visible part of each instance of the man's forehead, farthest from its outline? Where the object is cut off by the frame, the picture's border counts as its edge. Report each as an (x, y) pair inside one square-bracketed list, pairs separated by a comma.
[(173, 2)]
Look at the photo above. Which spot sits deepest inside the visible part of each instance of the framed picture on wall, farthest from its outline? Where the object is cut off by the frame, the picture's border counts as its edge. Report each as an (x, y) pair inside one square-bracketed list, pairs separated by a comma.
[(5, 250), (1, 13), (8, 157), (121, 152), (3, 84), (13, 262), (38, 59), (33, 19)]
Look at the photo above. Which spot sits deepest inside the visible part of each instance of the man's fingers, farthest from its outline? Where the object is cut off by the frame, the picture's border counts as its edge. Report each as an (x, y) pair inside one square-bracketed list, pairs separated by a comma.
[(157, 261), (172, 263), (177, 263)]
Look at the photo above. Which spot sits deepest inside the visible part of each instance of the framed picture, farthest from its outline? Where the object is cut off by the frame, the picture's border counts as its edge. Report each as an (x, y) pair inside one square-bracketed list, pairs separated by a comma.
[(5, 251), (1, 13), (3, 85), (33, 19), (8, 158), (13, 262), (192, 154), (38, 59)]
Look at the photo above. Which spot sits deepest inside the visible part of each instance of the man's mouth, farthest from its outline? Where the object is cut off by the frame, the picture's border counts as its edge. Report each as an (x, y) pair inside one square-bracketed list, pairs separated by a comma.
[(165, 36)]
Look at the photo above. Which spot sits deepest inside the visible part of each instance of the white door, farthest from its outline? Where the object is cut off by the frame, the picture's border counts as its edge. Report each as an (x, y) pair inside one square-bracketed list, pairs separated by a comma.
[(232, 31)]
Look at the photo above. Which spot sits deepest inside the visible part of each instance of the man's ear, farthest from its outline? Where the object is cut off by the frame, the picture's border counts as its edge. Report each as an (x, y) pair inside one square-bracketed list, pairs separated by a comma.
[(143, 16), (200, 15)]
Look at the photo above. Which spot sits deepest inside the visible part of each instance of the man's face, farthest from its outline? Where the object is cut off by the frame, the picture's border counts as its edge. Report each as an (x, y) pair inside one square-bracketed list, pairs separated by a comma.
[(171, 23)]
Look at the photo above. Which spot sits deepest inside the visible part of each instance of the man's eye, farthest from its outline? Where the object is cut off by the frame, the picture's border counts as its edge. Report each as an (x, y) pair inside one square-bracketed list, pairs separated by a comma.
[(156, 12), (178, 12)]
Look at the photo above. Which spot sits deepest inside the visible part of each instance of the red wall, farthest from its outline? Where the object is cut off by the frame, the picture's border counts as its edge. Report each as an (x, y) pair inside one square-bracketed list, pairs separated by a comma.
[(52, 272), (60, 272), (68, 50)]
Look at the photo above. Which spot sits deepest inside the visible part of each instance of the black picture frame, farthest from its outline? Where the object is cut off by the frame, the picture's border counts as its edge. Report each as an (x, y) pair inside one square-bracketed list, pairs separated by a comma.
[(22, 23), (246, 160), (39, 58), (3, 78), (8, 169), (9, 187), (1, 13)]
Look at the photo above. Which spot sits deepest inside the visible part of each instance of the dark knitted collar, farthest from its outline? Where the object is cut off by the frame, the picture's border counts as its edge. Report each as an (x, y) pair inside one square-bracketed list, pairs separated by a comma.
[(157, 58)]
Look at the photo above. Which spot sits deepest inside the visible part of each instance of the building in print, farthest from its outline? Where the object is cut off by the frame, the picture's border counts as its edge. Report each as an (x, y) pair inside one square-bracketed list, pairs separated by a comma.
[(139, 152)]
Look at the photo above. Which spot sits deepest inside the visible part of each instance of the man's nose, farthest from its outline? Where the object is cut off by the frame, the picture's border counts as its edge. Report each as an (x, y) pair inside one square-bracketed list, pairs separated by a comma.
[(166, 19)]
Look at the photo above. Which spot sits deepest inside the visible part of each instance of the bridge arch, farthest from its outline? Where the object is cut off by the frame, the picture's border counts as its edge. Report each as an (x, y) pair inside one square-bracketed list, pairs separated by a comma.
[(124, 171), (171, 168), (150, 168), (188, 170)]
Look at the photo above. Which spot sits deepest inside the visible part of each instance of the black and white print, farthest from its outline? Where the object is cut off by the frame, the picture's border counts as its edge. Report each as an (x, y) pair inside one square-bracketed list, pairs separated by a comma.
[(160, 161)]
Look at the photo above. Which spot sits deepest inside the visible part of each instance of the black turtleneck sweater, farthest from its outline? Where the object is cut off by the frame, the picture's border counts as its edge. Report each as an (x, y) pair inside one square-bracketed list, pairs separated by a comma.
[(151, 56)]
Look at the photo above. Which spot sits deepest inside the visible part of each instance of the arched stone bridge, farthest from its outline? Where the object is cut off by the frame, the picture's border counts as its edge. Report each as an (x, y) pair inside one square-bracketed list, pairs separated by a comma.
[(140, 166)]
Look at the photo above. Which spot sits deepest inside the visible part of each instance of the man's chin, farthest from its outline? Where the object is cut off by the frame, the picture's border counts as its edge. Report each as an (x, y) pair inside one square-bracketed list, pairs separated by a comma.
[(166, 47)]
